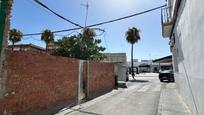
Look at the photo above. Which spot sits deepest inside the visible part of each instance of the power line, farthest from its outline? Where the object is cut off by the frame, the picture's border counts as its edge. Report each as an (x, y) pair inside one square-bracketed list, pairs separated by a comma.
[(60, 16), (31, 37), (60, 31), (101, 33), (38, 6), (105, 22), (104, 37), (125, 17), (67, 34)]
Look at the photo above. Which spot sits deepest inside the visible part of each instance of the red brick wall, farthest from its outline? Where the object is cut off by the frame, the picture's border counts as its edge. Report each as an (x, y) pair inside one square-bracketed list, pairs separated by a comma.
[(39, 82), (101, 78)]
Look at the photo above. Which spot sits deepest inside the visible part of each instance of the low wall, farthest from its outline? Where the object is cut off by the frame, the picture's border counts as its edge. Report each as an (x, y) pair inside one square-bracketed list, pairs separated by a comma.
[(43, 84), (101, 78), (38, 82)]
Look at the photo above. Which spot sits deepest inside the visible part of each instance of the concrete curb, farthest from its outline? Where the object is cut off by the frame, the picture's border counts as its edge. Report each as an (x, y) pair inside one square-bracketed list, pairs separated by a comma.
[(170, 102)]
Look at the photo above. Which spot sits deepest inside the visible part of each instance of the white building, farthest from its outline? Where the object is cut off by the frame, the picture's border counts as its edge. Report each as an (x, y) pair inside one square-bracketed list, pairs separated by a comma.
[(144, 66), (119, 60), (183, 24)]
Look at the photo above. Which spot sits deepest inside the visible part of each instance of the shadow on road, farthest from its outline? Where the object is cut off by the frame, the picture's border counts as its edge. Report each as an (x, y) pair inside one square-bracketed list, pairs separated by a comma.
[(167, 82), (139, 81), (81, 111)]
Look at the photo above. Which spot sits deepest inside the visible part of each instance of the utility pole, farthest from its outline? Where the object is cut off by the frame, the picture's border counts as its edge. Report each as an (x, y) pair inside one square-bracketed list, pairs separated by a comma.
[(86, 18), (5, 8), (87, 10)]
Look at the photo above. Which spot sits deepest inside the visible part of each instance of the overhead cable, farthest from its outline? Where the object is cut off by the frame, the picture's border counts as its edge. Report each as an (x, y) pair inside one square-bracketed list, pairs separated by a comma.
[(125, 17), (60, 16), (105, 22)]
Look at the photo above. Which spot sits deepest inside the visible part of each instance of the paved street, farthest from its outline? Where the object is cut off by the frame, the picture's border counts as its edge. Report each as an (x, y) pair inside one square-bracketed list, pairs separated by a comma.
[(145, 96), (140, 98)]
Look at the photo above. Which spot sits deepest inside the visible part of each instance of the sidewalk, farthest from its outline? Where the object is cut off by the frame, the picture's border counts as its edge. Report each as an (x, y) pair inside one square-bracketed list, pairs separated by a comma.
[(171, 103), (137, 99), (87, 104)]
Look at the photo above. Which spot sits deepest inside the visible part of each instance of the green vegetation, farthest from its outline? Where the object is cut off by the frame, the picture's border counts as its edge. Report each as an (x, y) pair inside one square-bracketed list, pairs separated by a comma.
[(15, 35), (132, 37), (82, 46)]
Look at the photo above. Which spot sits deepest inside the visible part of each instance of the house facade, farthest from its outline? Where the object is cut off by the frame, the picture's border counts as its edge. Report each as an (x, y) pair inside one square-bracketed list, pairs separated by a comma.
[(183, 24), (27, 47), (120, 64), (147, 66), (165, 63)]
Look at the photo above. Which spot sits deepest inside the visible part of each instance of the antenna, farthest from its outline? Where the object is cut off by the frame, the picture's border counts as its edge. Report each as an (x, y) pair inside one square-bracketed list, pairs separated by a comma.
[(87, 9)]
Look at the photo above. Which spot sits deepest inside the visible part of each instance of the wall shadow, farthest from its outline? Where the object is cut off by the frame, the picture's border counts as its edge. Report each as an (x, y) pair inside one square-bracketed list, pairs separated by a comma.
[(139, 81)]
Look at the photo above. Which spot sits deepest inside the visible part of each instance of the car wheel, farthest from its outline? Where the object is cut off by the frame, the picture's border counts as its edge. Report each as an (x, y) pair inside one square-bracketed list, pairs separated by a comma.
[(161, 80)]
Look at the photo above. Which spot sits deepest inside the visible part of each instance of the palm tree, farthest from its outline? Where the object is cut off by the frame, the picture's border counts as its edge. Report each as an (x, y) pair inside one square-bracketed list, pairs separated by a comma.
[(88, 32), (15, 35), (47, 36), (132, 37)]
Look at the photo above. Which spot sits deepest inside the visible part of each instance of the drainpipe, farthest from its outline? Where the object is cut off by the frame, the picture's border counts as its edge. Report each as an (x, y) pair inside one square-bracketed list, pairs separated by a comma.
[(175, 19)]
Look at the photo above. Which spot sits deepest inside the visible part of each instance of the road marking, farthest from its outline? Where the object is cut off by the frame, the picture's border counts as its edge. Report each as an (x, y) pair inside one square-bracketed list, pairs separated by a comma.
[(144, 88)]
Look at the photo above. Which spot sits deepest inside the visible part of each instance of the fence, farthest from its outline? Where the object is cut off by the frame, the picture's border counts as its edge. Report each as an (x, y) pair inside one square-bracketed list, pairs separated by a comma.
[(43, 84)]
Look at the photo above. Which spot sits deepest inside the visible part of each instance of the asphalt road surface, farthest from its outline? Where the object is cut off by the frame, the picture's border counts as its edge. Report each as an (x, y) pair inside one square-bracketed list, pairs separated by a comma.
[(140, 98)]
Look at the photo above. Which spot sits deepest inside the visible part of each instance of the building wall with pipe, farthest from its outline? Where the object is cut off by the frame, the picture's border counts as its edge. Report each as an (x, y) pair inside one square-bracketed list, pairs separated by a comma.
[(188, 53)]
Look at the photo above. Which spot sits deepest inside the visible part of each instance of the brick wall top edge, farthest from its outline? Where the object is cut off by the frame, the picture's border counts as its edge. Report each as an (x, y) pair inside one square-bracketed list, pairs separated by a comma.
[(44, 54), (40, 54)]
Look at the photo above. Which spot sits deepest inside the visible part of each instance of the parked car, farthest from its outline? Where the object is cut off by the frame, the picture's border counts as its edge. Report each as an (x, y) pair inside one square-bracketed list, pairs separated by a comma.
[(166, 75)]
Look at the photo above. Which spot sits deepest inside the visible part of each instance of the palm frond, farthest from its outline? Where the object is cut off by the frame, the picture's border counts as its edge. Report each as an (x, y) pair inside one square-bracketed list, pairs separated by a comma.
[(15, 35), (132, 35), (47, 36), (88, 32)]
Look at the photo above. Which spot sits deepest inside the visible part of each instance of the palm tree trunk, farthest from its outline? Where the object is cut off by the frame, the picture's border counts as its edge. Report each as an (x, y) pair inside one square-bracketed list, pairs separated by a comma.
[(132, 71), (12, 45), (46, 47)]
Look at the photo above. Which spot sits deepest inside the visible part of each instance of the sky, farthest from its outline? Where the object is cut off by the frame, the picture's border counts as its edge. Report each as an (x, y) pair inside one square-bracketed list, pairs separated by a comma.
[(29, 17)]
